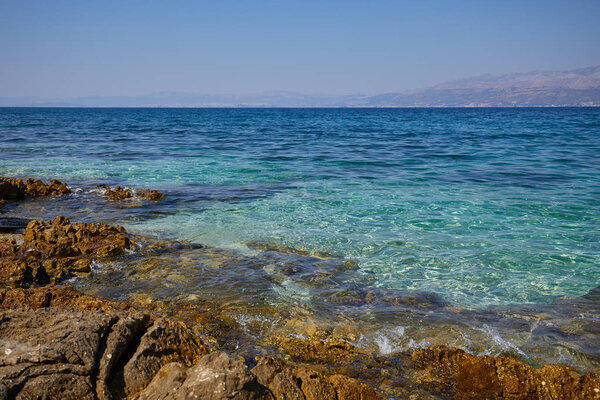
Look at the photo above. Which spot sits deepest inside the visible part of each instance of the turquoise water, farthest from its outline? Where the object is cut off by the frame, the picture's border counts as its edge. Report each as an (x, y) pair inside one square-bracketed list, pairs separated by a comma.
[(480, 206)]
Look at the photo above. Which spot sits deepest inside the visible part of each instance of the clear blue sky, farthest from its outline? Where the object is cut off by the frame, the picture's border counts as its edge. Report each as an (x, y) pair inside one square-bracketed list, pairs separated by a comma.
[(83, 47)]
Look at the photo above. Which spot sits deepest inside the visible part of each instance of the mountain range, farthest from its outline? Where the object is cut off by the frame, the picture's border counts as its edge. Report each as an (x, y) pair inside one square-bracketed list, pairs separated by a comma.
[(577, 87)]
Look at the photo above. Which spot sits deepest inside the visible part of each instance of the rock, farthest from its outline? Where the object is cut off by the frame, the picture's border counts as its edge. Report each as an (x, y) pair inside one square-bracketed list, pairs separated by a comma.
[(215, 377), (153, 195), (62, 353), (16, 189), (53, 251), (164, 342), (12, 188), (278, 377), (37, 188), (454, 373), (286, 383), (314, 350), (166, 383), (62, 238), (120, 193), (315, 386), (56, 296), (350, 389)]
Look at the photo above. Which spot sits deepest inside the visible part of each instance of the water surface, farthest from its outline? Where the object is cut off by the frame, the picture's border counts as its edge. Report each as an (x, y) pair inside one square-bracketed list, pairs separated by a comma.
[(467, 208)]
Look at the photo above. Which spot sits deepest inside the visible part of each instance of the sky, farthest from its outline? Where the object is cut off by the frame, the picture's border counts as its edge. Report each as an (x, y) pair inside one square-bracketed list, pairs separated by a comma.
[(113, 48)]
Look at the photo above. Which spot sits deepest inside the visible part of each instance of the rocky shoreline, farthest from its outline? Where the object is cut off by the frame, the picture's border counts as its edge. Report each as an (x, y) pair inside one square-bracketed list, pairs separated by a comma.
[(56, 342)]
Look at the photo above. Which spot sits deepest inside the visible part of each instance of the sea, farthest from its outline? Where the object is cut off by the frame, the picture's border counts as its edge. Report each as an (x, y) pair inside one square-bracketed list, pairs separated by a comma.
[(416, 226)]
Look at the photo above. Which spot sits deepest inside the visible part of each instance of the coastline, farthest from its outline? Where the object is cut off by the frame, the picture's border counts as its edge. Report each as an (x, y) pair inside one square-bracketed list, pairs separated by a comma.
[(300, 359)]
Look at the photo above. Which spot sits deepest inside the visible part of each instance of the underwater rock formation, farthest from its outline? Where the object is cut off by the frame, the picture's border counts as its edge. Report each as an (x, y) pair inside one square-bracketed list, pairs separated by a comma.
[(121, 193)]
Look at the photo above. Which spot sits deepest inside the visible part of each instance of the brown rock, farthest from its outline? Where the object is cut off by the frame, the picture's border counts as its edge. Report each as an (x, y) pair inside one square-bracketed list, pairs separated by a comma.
[(351, 389), (164, 342), (62, 353), (166, 383), (53, 251), (118, 193), (215, 377), (61, 238), (56, 296), (457, 374), (315, 386), (12, 188), (15, 272), (278, 377), (329, 351), (153, 195), (16, 189), (37, 188)]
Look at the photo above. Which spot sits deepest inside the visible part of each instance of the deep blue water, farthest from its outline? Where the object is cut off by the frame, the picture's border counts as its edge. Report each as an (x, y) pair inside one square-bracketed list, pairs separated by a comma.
[(481, 206)]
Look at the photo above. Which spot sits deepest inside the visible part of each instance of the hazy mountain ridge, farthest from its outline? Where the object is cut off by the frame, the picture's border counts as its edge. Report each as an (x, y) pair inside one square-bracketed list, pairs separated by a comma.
[(578, 87)]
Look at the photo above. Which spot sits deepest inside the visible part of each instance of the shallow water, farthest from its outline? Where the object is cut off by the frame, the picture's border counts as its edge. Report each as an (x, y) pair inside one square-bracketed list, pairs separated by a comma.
[(446, 212)]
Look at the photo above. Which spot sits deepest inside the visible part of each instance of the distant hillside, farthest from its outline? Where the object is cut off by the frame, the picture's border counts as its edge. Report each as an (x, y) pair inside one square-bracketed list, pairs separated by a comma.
[(578, 87)]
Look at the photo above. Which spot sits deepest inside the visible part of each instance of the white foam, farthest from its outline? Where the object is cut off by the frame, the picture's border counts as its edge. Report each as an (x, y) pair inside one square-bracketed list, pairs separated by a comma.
[(498, 340)]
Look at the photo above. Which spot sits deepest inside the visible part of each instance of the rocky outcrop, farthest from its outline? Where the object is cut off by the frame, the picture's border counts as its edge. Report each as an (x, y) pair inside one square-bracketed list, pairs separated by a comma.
[(16, 188), (61, 238), (56, 250), (456, 374), (56, 296), (56, 343), (218, 377), (63, 353), (285, 382), (121, 193)]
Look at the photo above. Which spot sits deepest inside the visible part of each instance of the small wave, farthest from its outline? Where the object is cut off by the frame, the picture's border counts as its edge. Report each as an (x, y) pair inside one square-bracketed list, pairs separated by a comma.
[(498, 340)]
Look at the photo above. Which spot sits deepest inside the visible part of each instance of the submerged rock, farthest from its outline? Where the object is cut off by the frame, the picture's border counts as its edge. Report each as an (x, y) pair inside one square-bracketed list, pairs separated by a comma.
[(121, 193), (16, 188), (153, 195), (56, 250)]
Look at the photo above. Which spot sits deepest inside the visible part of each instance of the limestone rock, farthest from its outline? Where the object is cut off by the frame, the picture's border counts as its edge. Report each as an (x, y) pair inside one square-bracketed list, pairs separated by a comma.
[(118, 193), (286, 383), (278, 377), (460, 375), (152, 195), (56, 296), (53, 251), (16, 189), (74, 354), (215, 377), (121, 193)]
